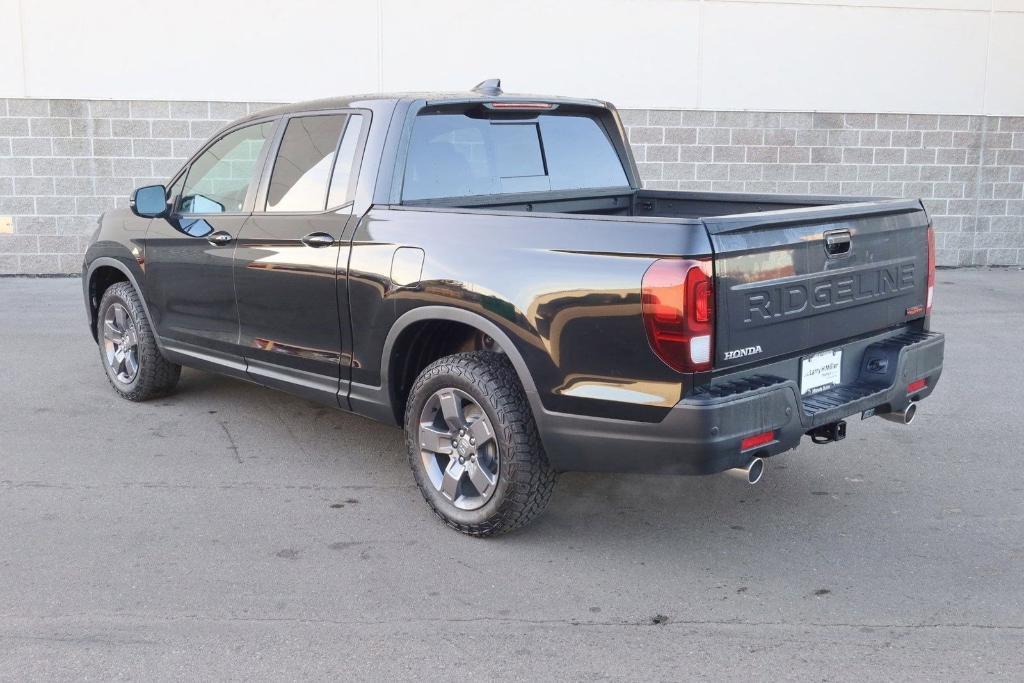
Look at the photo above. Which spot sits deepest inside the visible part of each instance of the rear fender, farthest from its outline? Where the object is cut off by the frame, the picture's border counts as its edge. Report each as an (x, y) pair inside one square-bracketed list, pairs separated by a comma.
[(376, 402)]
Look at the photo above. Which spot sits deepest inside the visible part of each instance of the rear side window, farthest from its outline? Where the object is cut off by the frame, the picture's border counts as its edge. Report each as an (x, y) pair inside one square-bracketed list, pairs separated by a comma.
[(345, 166), (456, 155), (305, 160), (219, 178)]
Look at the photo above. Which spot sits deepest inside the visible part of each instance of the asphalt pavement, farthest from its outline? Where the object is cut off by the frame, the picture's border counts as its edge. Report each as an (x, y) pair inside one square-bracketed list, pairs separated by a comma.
[(231, 531)]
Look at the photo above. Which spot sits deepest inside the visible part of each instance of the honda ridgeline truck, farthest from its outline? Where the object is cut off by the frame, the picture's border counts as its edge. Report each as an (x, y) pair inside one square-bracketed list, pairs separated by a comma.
[(487, 271)]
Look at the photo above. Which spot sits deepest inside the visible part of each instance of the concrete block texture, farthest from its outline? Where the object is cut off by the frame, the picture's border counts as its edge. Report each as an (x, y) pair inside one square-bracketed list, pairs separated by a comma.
[(63, 162), (968, 170)]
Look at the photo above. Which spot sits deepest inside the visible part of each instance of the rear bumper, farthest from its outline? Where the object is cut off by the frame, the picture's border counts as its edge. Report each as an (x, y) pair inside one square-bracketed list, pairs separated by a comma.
[(703, 435)]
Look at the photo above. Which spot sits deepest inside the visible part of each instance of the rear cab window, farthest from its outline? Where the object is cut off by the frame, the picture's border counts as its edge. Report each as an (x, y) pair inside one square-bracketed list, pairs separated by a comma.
[(304, 161), (476, 151)]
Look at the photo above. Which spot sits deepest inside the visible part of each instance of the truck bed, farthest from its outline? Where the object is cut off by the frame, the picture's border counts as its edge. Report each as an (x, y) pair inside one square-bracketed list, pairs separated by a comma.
[(779, 291), (641, 203)]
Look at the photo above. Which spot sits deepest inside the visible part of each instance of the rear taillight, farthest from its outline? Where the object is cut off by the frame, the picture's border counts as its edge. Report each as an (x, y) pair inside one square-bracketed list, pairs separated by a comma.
[(678, 297), (931, 269)]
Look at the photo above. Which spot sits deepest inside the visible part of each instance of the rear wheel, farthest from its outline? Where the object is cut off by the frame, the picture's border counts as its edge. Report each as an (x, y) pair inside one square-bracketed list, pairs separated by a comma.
[(134, 365), (473, 445)]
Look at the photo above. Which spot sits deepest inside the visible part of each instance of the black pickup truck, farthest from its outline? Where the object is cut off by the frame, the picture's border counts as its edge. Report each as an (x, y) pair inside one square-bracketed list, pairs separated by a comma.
[(488, 271)]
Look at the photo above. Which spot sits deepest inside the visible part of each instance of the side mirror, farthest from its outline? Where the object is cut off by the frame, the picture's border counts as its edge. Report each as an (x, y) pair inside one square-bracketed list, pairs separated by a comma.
[(149, 201)]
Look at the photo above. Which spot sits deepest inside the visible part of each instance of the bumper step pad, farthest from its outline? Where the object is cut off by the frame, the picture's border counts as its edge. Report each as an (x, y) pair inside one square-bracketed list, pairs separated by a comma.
[(878, 375)]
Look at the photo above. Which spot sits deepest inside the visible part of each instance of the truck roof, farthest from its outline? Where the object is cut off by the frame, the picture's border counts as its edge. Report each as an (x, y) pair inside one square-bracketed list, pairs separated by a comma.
[(486, 91)]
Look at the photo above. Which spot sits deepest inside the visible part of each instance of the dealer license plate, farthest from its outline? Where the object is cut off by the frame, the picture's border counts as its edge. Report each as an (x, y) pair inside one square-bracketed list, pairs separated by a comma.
[(821, 371)]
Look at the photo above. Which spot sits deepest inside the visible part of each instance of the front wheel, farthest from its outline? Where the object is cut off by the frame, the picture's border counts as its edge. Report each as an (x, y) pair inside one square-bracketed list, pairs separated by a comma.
[(474, 447), (135, 367)]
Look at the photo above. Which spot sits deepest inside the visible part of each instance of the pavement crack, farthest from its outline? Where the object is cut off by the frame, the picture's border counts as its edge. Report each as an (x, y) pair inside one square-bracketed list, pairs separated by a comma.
[(81, 640), (231, 441), (607, 623)]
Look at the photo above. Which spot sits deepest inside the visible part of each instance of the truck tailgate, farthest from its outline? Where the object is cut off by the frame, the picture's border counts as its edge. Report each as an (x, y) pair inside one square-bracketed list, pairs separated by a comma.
[(799, 280)]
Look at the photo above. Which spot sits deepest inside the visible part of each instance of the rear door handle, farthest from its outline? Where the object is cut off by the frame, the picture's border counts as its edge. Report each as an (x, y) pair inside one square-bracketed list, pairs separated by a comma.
[(219, 238), (317, 240)]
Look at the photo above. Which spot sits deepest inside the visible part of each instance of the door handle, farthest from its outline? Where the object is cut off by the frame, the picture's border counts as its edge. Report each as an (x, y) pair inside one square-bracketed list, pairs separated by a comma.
[(317, 240), (837, 243), (219, 238)]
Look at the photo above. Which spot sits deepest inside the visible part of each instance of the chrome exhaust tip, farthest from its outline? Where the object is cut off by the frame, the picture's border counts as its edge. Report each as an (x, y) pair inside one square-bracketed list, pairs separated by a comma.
[(905, 417), (752, 471)]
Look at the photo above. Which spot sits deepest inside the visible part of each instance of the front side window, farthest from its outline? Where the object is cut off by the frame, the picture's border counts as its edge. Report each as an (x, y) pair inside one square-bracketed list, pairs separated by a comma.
[(304, 163), (458, 155), (174, 191), (219, 178)]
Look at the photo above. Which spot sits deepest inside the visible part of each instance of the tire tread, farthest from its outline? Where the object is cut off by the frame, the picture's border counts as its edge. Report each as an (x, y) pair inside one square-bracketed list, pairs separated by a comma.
[(532, 479), (157, 376)]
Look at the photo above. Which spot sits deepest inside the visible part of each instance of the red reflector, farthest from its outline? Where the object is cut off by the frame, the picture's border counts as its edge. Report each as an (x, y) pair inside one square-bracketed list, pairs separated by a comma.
[(757, 440), (916, 386)]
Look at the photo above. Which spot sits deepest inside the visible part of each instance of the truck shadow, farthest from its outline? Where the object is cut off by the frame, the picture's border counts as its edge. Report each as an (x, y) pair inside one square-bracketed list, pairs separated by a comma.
[(676, 512)]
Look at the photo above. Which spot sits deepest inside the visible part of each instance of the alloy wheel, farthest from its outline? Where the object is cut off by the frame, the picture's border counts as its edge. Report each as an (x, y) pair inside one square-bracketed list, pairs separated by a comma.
[(121, 343), (458, 447)]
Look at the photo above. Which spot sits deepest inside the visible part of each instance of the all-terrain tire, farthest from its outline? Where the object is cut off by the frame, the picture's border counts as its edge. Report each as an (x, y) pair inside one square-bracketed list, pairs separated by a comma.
[(525, 477), (156, 376)]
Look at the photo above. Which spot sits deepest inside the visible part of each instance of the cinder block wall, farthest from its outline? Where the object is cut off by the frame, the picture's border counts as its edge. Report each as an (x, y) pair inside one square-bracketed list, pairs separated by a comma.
[(63, 162), (969, 170)]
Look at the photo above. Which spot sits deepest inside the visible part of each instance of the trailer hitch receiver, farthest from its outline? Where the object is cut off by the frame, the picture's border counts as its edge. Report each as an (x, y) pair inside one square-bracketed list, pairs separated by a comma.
[(836, 431)]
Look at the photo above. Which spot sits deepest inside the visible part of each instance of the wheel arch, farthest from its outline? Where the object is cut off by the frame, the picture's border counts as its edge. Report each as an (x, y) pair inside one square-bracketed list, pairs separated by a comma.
[(107, 271), (393, 358)]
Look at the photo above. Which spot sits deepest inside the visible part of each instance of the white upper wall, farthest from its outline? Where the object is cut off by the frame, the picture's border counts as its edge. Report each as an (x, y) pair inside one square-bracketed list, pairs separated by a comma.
[(927, 56)]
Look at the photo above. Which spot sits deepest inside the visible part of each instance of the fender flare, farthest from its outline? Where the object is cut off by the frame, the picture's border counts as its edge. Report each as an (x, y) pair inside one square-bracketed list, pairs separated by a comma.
[(110, 261), (470, 318)]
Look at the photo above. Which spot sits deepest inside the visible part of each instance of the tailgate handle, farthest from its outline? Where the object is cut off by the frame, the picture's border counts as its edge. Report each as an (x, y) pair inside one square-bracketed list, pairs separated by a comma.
[(837, 243)]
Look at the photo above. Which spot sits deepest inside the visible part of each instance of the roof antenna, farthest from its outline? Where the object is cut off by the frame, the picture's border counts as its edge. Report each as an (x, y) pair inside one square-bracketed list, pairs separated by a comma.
[(490, 87)]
